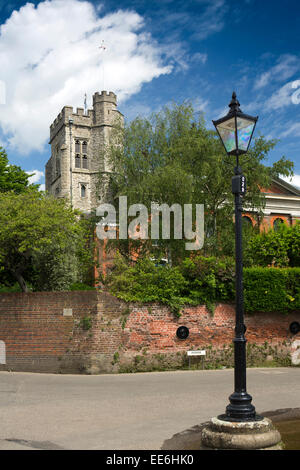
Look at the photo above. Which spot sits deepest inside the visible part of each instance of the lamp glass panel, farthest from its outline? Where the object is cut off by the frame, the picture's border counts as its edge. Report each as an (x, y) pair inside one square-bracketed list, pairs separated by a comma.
[(227, 133), (244, 129)]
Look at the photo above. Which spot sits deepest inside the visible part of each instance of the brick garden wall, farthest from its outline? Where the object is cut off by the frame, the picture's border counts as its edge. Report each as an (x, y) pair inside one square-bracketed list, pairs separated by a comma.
[(93, 332), (36, 332)]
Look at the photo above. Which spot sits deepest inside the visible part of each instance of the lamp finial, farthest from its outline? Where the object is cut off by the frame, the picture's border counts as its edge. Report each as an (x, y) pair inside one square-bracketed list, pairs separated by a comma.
[(234, 104)]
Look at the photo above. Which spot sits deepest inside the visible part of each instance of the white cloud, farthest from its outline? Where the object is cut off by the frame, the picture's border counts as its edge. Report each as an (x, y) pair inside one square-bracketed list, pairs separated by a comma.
[(212, 19), (283, 97), (200, 104), (50, 57), (287, 65), (37, 175), (295, 180), (263, 80), (292, 129), (199, 57)]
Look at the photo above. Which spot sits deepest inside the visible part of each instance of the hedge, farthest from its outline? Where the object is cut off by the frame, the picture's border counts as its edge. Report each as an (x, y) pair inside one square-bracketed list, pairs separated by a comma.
[(206, 281), (271, 289)]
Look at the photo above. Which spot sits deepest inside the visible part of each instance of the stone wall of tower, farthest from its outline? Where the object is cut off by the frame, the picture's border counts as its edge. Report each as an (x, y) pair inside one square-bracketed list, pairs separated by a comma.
[(81, 131), (106, 116), (93, 128)]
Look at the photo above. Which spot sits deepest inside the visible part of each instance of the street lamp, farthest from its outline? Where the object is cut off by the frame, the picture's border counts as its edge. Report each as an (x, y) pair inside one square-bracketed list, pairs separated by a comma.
[(235, 131)]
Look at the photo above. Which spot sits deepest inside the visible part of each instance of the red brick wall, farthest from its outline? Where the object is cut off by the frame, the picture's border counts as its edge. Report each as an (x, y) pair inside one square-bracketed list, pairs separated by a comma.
[(40, 338), (35, 331), (155, 328)]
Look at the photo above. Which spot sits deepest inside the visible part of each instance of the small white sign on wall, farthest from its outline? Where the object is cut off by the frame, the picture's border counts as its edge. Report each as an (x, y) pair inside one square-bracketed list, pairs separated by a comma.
[(68, 312), (195, 353), (2, 353), (201, 352)]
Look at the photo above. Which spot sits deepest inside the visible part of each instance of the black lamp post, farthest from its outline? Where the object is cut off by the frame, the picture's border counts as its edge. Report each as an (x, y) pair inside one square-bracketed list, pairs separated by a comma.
[(235, 131)]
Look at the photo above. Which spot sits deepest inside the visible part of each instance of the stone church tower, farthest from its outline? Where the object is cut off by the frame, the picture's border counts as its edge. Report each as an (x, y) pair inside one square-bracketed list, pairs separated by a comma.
[(78, 142)]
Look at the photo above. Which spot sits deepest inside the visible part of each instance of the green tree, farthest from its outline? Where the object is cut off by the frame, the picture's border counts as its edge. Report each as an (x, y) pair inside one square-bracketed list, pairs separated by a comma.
[(12, 177), (280, 248), (43, 241), (172, 157)]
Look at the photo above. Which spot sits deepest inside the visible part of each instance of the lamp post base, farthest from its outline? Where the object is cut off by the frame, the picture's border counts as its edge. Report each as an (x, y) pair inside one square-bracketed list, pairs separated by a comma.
[(240, 409), (250, 435)]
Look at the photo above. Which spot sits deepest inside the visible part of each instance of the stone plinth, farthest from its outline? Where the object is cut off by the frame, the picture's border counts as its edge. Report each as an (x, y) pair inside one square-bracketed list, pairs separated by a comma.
[(251, 435)]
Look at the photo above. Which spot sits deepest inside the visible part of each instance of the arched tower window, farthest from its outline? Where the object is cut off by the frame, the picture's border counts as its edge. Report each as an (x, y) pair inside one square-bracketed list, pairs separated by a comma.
[(77, 146), (84, 162), (84, 147), (83, 190), (81, 158), (77, 161)]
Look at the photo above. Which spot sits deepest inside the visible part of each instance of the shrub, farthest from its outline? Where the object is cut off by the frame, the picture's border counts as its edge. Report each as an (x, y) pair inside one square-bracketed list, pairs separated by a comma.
[(86, 323), (202, 280), (271, 289), (13, 288), (198, 281), (145, 282), (208, 279)]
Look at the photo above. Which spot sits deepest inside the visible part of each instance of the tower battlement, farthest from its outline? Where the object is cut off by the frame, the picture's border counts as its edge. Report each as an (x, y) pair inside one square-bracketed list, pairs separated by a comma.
[(79, 118), (109, 97), (67, 113)]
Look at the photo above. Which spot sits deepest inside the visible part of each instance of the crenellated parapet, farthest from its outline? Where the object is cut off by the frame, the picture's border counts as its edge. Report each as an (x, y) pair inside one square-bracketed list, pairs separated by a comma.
[(108, 97), (67, 113), (104, 106)]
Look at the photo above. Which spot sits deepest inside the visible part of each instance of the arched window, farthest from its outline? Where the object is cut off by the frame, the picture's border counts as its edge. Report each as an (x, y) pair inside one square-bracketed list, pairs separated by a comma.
[(77, 161), (84, 162), (77, 146), (84, 147), (277, 223), (81, 158), (83, 190), (247, 222)]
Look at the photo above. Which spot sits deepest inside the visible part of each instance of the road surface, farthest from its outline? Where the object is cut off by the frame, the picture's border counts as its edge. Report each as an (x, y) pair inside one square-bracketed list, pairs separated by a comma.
[(126, 411)]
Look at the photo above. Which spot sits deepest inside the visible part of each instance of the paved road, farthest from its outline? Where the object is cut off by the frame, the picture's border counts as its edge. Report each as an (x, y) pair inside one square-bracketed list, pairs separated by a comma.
[(126, 411)]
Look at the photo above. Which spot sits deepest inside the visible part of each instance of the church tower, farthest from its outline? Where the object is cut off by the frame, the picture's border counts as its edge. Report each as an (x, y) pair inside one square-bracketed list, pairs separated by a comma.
[(78, 142)]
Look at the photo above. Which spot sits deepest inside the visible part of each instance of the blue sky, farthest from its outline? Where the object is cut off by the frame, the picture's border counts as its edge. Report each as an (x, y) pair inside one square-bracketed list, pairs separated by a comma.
[(156, 52)]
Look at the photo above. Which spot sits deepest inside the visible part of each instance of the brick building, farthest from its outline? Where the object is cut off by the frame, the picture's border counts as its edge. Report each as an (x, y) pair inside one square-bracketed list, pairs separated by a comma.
[(282, 205)]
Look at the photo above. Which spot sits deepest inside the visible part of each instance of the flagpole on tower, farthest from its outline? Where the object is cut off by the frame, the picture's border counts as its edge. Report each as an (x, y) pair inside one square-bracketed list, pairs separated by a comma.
[(103, 48), (85, 104)]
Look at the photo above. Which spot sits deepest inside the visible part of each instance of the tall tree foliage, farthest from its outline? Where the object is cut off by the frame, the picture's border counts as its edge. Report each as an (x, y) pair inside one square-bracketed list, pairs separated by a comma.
[(278, 248), (43, 241), (171, 157), (12, 177)]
